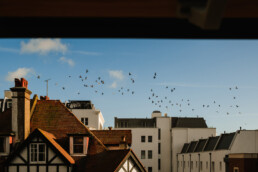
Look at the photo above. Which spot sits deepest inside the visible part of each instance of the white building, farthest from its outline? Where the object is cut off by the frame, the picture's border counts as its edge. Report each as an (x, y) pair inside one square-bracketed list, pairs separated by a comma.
[(86, 113), (158, 139), (211, 154)]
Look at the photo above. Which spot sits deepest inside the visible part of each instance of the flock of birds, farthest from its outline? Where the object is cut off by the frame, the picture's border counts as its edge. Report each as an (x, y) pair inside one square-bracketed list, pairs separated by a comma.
[(154, 98)]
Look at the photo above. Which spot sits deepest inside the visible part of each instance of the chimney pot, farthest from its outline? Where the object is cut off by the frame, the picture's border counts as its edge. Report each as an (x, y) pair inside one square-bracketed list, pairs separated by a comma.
[(44, 98), (110, 128)]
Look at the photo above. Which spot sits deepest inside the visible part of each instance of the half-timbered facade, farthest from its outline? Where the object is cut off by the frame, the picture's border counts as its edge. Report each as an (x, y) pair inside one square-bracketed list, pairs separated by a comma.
[(44, 136)]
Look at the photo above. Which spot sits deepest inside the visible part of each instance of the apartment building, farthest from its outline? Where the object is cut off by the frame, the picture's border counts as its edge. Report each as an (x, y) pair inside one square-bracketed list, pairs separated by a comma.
[(229, 152), (157, 140), (85, 111)]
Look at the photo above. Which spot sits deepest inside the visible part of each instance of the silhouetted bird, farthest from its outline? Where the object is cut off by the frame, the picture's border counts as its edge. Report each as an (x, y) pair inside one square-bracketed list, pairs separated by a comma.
[(38, 77), (63, 88), (87, 71), (236, 88), (130, 74)]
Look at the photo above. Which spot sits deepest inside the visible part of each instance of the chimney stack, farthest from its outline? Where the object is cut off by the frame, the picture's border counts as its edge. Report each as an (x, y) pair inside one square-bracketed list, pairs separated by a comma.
[(110, 128), (123, 144), (21, 109)]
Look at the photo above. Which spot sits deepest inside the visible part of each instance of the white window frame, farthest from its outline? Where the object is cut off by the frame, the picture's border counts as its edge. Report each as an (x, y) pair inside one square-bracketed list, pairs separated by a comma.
[(143, 154), (85, 146), (83, 120), (37, 152)]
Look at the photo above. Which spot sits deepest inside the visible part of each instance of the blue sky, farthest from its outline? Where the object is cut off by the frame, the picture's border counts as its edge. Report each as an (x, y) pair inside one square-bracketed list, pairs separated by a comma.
[(201, 71)]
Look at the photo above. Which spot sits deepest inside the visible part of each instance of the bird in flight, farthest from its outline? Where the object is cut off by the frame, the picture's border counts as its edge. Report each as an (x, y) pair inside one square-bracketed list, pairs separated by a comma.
[(38, 77), (130, 74), (63, 88), (87, 71)]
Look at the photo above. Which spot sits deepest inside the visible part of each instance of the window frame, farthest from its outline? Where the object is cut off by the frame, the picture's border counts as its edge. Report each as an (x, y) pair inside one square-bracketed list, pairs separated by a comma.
[(37, 153), (150, 154), (149, 169), (143, 154), (143, 139), (80, 144), (149, 139), (84, 119)]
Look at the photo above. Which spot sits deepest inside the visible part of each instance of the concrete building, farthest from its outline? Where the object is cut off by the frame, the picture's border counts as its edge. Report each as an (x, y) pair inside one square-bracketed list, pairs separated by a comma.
[(220, 153), (158, 139), (86, 112)]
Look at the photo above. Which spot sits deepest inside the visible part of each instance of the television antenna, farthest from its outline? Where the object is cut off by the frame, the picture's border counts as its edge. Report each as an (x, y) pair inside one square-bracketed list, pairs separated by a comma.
[(47, 85)]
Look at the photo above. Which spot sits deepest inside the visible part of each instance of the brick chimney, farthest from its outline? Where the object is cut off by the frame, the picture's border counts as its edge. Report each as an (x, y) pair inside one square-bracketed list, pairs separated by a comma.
[(123, 144), (21, 109)]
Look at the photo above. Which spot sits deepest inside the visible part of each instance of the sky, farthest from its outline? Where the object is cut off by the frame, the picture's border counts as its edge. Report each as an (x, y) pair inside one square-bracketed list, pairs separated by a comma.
[(213, 79)]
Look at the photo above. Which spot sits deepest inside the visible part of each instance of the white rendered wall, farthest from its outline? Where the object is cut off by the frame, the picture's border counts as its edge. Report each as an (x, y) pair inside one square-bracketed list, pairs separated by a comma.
[(245, 142), (138, 146), (186, 135), (164, 123), (95, 118)]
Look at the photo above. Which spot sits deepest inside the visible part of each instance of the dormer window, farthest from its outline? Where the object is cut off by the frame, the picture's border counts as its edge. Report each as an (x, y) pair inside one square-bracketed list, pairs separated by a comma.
[(78, 144)]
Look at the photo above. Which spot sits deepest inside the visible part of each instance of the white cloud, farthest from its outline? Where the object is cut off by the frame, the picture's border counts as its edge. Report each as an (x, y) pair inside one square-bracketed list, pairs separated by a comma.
[(19, 73), (9, 50), (117, 74), (113, 85), (70, 62), (43, 46), (87, 53)]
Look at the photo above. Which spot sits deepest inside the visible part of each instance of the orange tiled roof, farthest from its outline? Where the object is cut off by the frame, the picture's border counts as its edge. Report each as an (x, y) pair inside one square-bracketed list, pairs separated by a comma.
[(51, 138), (113, 137)]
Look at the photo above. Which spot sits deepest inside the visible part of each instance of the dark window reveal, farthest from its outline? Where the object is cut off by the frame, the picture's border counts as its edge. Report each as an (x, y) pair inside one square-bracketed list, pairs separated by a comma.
[(77, 144)]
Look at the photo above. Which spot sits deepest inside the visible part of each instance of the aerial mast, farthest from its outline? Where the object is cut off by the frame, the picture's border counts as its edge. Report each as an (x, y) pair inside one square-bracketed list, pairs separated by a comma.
[(47, 85)]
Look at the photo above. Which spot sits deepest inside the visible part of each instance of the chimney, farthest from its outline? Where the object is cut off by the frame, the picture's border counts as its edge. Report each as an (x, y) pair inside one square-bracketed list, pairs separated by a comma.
[(240, 128), (110, 128), (123, 144), (21, 109)]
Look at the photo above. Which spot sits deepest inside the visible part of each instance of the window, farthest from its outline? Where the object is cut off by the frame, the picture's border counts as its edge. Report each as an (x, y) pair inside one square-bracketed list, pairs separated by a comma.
[(159, 164), (159, 134), (184, 164), (149, 154), (2, 144), (85, 121), (206, 164), (201, 165), (191, 165), (77, 144), (236, 169), (196, 164), (188, 164), (212, 166), (149, 169), (9, 104), (149, 138), (181, 164), (37, 152), (143, 154), (143, 138), (220, 165), (159, 146), (121, 124)]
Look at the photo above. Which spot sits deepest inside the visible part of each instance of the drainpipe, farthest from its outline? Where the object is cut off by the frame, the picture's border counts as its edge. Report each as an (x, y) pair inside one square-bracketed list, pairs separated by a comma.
[(199, 163), (183, 163), (177, 163), (210, 162), (190, 163)]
